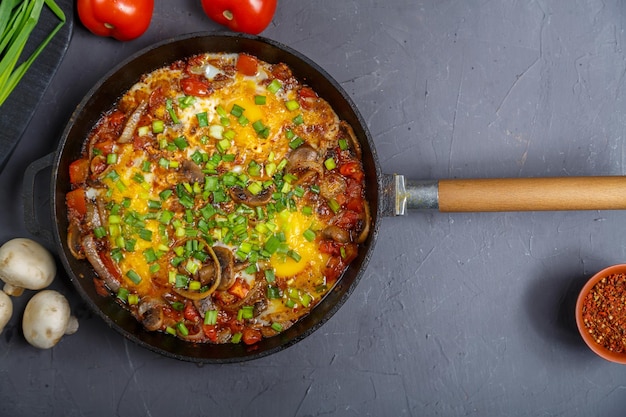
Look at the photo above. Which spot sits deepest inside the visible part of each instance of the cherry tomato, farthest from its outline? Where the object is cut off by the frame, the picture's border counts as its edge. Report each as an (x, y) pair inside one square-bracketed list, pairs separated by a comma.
[(247, 65), (123, 20), (248, 16), (194, 86)]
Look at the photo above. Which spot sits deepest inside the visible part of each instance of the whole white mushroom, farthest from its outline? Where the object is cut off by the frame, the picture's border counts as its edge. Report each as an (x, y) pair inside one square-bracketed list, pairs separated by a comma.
[(6, 309), (25, 264), (47, 318)]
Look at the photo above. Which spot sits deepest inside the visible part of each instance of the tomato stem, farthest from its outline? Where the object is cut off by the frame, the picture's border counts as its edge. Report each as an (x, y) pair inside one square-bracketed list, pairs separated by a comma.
[(228, 14)]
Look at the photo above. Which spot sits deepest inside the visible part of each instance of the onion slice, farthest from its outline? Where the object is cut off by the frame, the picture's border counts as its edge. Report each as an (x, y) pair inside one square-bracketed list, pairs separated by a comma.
[(132, 123)]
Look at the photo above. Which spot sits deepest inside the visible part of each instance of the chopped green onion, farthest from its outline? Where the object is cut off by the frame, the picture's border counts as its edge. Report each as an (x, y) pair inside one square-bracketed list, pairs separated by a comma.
[(273, 292), (133, 299), (237, 110), (180, 326), (277, 327), (122, 294), (274, 86), (296, 142), (309, 235), (330, 164), (270, 276), (210, 317), (221, 111), (259, 100), (170, 109), (133, 276), (298, 120), (236, 338), (158, 126), (203, 120), (334, 205), (223, 145), (100, 232), (181, 142), (292, 105), (255, 188)]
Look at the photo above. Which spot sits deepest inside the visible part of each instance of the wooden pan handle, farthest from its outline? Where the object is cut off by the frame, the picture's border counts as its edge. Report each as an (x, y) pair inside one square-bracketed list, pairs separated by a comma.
[(530, 194)]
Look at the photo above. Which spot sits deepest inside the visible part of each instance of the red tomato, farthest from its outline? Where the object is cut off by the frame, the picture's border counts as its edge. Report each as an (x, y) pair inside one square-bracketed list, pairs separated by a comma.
[(76, 202), (190, 312), (79, 171), (352, 170), (248, 16), (194, 86), (210, 331), (123, 20), (239, 288), (247, 65), (251, 336)]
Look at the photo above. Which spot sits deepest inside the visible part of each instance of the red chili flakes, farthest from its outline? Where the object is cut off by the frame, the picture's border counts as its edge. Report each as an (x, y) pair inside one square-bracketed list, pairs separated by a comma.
[(604, 312)]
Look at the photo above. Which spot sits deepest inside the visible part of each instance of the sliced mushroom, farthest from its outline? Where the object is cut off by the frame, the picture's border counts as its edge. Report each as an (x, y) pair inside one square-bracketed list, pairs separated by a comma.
[(74, 243), (226, 260), (192, 171), (303, 158), (151, 313), (243, 196), (336, 233)]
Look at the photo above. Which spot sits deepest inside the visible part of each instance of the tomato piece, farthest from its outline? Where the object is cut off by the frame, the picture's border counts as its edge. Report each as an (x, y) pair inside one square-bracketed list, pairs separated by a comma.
[(123, 20), (348, 219), (248, 16), (329, 247), (352, 170), (355, 205), (190, 312), (251, 336), (210, 331), (247, 65), (307, 93), (333, 269), (79, 171), (239, 288), (76, 202), (193, 86)]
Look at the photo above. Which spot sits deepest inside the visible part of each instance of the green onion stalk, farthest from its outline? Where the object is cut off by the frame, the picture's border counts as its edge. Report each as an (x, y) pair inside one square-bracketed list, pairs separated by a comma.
[(18, 18)]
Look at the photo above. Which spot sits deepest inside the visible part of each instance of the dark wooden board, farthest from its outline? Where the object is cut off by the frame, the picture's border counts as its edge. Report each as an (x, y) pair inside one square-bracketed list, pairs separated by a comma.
[(18, 109)]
